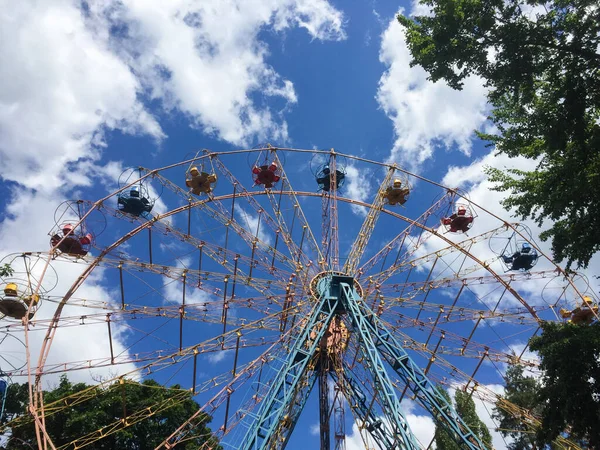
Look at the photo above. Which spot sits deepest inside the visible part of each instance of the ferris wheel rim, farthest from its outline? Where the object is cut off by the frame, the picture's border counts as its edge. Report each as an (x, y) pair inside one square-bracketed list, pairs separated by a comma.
[(172, 212)]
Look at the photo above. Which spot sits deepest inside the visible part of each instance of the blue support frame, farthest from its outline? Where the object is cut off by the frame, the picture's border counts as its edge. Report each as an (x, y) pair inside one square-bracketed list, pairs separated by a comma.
[(285, 385), (374, 331), (283, 432), (278, 413), (4, 394), (379, 429), (403, 437)]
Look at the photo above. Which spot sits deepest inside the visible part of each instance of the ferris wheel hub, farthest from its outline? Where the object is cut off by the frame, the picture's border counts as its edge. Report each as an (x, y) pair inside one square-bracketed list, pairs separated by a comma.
[(321, 282)]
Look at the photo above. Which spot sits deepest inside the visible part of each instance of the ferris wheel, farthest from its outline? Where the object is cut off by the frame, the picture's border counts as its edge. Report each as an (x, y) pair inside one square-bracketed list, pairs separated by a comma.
[(284, 287)]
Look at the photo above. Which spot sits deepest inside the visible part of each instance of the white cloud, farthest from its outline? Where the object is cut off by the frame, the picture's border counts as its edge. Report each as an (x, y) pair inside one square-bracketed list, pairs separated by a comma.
[(425, 115), (60, 87), (358, 187), (217, 357), (421, 426), (420, 9), (67, 78), (206, 60), (251, 224), (318, 17)]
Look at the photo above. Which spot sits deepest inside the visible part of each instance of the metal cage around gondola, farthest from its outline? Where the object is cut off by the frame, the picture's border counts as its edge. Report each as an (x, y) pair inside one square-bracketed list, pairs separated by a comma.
[(328, 180), (22, 291), (200, 176), (461, 220), (514, 252), (77, 224), (398, 191), (266, 168), (138, 197)]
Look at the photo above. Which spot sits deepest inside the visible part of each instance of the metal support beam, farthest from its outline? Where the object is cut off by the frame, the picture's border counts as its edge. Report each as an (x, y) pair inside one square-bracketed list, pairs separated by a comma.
[(271, 415), (287, 394), (378, 340), (324, 429), (379, 429)]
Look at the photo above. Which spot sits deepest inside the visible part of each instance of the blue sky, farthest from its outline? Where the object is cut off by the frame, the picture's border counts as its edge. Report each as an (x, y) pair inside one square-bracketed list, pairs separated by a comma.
[(89, 90)]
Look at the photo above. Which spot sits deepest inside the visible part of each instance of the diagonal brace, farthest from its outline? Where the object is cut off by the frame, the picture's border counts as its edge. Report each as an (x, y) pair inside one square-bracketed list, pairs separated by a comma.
[(285, 384), (384, 343)]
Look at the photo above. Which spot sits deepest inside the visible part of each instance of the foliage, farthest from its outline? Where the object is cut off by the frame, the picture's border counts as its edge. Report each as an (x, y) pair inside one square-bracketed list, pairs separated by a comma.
[(540, 62), (465, 407), (520, 390), (105, 408), (570, 388), (443, 439), (6, 270)]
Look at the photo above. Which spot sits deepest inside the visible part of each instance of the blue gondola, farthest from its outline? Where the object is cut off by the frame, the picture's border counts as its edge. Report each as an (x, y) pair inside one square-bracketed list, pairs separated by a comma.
[(524, 258), (324, 178)]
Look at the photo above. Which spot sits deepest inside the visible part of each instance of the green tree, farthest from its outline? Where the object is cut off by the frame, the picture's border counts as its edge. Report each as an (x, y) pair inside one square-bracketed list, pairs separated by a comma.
[(519, 390), (106, 407), (542, 70), (570, 388), (465, 407), (6, 270), (443, 439)]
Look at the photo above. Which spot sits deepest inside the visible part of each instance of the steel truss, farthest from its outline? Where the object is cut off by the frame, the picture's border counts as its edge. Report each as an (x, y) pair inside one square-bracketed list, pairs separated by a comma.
[(273, 423)]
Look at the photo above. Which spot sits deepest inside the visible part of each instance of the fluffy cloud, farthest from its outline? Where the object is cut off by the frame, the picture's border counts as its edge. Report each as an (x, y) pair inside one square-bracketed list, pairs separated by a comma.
[(425, 115), (73, 71), (60, 88), (205, 58), (421, 426), (358, 187)]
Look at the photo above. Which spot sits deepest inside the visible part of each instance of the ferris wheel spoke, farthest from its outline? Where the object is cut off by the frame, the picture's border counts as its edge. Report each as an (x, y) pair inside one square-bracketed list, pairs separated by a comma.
[(271, 355), (146, 357), (221, 255), (261, 304), (368, 225), (224, 297), (232, 262), (419, 225), (129, 419), (230, 338), (329, 218), (401, 308), (273, 224), (260, 249), (200, 279), (165, 357), (227, 218), (308, 236), (91, 392), (458, 279), (218, 253), (455, 345), (236, 380), (407, 263)]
